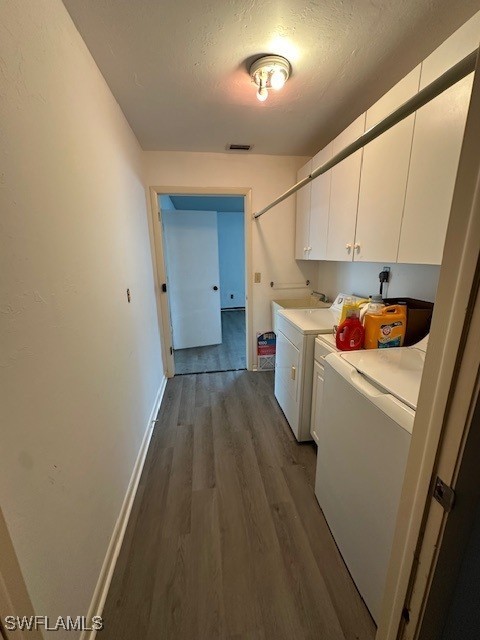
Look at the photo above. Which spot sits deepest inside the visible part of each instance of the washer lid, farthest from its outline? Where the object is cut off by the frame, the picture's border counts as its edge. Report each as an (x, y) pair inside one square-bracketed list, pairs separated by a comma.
[(397, 370), (329, 338), (310, 320)]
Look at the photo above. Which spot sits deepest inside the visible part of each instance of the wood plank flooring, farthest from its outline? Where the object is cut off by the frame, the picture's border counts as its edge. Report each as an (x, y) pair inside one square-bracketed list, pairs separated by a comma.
[(226, 539), (230, 354)]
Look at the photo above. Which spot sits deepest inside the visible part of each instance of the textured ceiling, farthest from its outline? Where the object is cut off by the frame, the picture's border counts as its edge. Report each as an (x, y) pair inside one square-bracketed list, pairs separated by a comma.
[(179, 69), (208, 203)]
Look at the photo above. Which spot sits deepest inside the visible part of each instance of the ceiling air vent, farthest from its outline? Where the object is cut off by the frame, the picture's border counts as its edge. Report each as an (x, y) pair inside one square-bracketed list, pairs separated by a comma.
[(239, 147)]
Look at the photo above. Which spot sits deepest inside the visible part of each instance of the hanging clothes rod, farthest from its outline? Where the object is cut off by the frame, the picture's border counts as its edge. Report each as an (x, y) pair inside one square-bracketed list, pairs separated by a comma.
[(425, 95)]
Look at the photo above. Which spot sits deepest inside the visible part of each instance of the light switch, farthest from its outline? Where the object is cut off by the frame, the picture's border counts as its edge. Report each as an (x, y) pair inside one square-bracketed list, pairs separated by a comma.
[(258, 277)]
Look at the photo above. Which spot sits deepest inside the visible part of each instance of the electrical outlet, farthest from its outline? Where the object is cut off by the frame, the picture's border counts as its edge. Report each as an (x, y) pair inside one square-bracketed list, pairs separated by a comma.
[(258, 277)]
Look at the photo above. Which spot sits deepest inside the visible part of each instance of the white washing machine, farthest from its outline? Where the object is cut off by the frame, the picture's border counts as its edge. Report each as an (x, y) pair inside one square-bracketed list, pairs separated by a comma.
[(296, 332), (369, 403)]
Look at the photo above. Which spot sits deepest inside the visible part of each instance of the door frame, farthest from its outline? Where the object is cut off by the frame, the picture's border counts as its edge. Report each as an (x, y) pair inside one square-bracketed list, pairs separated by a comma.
[(158, 254), (447, 394), (14, 596)]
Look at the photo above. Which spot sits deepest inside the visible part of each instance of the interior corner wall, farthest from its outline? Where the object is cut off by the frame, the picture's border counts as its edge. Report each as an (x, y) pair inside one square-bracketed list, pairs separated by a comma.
[(413, 280), (273, 235), (80, 368), (231, 257)]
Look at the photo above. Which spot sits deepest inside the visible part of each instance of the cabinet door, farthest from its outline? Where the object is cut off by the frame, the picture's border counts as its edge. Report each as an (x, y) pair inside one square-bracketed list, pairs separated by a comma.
[(287, 365), (344, 195), (302, 229), (437, 142), (320, 206), (317, 396), (383, 182)]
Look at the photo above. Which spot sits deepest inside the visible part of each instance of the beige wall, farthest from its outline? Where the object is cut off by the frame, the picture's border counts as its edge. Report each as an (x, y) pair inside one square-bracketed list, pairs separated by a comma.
[(273, 235), (79, 367), (412, 280)]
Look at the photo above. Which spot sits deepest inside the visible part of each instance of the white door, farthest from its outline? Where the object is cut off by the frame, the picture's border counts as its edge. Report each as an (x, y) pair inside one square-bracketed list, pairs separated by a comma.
[(437, 141), (302, 228), (287, 365), (191, 252), (345, 183), (320, 206), (383, 182)]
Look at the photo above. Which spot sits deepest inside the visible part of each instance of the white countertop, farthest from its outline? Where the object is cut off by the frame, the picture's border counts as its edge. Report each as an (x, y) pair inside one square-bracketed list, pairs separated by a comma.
[(311, 321)]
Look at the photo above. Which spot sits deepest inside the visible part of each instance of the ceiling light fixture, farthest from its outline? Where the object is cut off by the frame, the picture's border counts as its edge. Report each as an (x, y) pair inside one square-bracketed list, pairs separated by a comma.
[(269, 72)]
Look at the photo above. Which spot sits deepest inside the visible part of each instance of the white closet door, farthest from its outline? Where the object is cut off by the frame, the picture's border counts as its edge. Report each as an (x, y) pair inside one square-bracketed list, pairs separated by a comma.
[(344, 196), (383, 182), (302, 228), (320, 206), (437, 142)]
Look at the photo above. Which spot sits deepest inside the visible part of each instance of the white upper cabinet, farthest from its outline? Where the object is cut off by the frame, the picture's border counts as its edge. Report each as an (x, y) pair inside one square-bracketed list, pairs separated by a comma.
[(302, 231), (344, 195), (320, 205), (437, 141), (384, 177)]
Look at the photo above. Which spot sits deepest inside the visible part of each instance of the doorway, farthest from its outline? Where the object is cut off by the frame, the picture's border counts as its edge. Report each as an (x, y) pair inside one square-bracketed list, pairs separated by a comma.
[(204, 255)]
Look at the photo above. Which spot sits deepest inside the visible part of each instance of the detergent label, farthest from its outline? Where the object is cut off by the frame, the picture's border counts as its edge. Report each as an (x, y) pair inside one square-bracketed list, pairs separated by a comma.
[(391, 335)]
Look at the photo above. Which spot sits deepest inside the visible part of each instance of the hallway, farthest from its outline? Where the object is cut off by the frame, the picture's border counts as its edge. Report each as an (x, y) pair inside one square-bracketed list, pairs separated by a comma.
[(226, 539), (230, 354)]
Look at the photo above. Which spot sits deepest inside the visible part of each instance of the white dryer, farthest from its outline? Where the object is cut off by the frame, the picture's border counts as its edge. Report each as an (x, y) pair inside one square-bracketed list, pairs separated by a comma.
[(369, 403), (296, 332)]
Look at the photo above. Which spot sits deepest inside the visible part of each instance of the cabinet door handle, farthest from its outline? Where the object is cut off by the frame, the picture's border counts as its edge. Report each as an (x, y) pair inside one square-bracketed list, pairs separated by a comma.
[(293, 373), (309, 248), (357, 247), (348, 247)]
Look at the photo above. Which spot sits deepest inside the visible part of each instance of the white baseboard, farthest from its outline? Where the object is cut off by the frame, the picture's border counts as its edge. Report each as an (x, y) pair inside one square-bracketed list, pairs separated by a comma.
[(106, 573)]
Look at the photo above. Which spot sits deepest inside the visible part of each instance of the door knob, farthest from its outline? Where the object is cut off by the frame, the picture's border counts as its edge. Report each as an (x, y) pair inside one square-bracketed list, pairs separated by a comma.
[(215, 288)]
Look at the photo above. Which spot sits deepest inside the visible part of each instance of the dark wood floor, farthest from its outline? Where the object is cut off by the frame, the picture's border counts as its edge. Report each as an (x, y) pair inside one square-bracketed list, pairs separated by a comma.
[(226, 539), (230, 354)]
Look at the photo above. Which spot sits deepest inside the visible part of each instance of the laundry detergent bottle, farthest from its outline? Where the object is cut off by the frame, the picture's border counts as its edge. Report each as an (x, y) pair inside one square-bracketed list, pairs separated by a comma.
[(350, 333), (385, 327)]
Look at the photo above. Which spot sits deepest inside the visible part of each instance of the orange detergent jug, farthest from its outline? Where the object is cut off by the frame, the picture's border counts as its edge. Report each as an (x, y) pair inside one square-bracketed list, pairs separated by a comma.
[(350, 333), (385, 328)]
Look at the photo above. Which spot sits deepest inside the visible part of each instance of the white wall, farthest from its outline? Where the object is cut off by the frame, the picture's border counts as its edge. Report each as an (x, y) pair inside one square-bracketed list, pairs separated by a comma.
[(79, 366), (273, 234), (414, 281), (231, 255)]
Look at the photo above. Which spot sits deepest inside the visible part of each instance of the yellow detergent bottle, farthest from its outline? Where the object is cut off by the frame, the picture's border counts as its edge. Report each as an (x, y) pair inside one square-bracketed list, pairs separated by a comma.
[(350, 305), (385, 328)]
